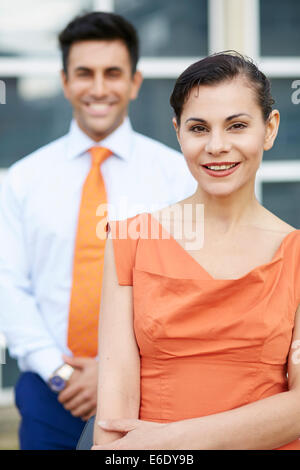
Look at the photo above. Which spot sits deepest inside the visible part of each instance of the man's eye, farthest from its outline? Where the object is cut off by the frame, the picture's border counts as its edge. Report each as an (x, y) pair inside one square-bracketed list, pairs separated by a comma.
[(114, 73), (82, 74)]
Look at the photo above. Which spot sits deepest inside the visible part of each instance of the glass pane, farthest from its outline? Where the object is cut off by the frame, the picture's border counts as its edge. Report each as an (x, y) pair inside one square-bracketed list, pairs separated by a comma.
[(287, 144), (168, 27), (283, 200), (34, 114), (280, 27), (10, 372), (151, 113), (33, 30)]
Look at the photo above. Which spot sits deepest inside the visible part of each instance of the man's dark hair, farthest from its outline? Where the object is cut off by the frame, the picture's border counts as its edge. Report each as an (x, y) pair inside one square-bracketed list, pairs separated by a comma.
[(99, 26), (217, 68)]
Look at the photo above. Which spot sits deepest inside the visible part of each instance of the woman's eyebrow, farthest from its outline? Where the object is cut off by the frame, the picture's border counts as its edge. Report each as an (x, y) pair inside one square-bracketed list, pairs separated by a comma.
[(229, 118)]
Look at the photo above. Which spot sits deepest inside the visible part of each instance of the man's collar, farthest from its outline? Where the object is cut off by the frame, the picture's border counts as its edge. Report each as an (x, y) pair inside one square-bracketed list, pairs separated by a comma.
[(119, 141)]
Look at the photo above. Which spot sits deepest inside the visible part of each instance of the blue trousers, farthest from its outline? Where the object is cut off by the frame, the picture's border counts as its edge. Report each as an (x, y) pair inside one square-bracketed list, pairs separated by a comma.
[(45, 423)]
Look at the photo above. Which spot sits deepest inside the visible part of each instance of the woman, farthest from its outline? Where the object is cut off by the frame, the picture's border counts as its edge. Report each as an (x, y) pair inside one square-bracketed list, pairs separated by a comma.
[(198, 343)]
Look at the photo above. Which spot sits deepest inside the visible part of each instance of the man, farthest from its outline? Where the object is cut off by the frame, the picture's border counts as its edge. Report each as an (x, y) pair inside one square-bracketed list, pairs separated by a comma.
[(50, 266)]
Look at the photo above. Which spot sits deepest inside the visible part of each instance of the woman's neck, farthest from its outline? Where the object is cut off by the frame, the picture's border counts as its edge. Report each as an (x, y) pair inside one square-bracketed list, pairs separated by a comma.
[(226, 213)]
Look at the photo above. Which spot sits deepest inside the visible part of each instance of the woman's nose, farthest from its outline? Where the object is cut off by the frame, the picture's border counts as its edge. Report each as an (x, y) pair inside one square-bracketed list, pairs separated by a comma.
[(217, 143)]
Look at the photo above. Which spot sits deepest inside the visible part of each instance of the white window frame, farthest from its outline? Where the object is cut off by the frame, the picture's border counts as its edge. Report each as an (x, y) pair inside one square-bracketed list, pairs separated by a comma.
[(274, 67)]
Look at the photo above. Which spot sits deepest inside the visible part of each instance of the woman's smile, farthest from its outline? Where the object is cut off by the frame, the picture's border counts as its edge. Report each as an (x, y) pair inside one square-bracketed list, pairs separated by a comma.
[(220, 169)]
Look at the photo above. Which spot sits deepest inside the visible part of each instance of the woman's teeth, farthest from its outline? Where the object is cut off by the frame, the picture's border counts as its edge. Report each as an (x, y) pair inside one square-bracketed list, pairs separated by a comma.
[(221, 167)]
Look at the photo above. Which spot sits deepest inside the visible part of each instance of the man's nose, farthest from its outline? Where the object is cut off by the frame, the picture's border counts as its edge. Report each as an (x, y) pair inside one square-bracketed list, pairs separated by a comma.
[(98, 87), (217, 143)]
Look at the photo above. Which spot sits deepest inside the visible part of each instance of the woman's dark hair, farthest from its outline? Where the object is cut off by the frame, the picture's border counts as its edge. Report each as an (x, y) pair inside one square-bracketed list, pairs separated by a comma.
[(99, 26), (217, 68)]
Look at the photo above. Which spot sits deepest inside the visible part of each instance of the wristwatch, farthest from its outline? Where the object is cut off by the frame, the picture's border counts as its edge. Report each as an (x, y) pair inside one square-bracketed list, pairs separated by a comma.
[(60, 377)]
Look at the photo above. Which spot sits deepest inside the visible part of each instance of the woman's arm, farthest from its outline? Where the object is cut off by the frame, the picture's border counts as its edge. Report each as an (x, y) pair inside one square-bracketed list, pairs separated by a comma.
[(265, 424), (119, 360)]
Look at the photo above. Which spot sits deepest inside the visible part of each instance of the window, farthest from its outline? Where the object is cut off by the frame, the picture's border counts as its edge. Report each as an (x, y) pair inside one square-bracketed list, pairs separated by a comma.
[(152, 114), (282, 199), (278, 182), (36, 113), (168, 28), (33, 30), (287, 145), (280, 27)]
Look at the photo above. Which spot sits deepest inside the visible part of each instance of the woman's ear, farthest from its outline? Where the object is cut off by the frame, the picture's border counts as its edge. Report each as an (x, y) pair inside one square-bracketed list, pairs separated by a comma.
[(176, 127), (272, 126), (174, 120)]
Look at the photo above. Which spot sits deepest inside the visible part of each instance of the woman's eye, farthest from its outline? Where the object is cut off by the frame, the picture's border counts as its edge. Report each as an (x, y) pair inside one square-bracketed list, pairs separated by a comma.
[(198, 129), (238, 125)]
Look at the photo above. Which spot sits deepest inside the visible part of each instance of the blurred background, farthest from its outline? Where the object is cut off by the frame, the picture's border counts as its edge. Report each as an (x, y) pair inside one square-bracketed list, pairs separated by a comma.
[(173, 34)]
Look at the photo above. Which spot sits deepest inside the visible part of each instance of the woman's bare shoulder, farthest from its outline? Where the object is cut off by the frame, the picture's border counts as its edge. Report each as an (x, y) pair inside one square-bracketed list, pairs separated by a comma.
[(274, 223)]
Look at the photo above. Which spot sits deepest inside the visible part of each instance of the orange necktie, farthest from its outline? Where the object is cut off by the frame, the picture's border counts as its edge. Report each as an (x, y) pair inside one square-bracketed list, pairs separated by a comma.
[(88, 263)]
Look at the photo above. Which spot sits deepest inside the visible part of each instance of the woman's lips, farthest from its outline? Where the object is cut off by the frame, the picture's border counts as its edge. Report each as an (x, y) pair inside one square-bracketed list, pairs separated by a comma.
[(221, 173)]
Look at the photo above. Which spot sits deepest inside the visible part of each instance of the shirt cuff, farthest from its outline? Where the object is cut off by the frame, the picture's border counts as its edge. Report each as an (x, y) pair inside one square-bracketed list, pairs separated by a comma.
[(44, 362)]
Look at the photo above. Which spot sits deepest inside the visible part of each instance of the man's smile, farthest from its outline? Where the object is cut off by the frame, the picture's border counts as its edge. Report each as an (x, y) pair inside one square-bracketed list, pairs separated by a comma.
[(98, 109)]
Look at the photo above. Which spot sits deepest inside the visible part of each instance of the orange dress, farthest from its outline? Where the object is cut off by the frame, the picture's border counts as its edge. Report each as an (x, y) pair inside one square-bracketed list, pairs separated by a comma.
[(206, 345)]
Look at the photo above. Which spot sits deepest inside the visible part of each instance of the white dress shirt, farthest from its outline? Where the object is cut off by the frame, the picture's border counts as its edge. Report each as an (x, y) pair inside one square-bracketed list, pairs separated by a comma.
[(39, 207)]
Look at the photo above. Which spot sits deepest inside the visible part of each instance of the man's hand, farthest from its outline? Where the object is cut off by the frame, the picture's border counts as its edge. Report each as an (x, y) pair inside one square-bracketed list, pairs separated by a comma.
[(80, 395)]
